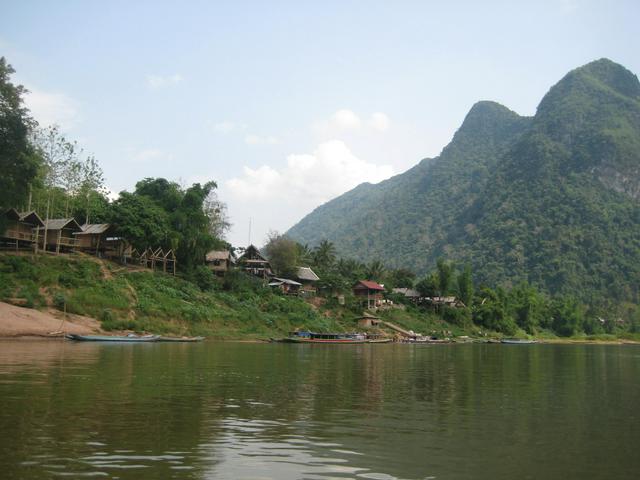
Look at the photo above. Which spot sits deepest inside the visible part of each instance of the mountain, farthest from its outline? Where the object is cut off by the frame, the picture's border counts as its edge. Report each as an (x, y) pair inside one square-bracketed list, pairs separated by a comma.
[(553, 199)]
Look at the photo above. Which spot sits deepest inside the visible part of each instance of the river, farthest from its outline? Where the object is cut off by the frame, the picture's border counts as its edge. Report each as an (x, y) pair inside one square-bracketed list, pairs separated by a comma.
[(278, 411)]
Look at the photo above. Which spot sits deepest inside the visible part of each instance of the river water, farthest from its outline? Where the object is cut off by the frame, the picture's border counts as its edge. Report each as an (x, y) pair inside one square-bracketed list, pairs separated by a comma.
[(278, 411)]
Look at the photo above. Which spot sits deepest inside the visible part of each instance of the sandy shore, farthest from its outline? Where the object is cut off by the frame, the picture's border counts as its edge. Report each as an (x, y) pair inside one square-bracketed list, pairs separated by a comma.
[(20, 322)]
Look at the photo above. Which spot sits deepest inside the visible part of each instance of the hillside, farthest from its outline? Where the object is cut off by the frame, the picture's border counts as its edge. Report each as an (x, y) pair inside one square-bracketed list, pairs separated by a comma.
[(553, 199), (412, 212)]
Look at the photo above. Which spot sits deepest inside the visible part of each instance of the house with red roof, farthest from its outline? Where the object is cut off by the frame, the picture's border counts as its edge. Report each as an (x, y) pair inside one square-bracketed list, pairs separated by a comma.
[(369, 293)]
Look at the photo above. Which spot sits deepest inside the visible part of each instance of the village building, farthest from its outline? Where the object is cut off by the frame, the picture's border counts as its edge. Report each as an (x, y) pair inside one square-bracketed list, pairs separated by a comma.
[(368, 321), (21, 229), (444, 301), (408, 293), (253, 262), (308, 280), (100, 239), (57, 234), (369, 293), (220, 261), (287, 286)]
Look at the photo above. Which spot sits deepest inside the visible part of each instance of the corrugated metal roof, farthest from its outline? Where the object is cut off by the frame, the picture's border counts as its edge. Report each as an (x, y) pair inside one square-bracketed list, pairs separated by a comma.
[(305, 273), (280, 281), (407, 292), (371, 285), (60, 223), (94, 228)]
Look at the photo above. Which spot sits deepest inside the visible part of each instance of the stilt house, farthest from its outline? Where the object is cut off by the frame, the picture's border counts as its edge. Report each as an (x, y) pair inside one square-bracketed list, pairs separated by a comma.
[(220, 261), (369, 293), (58, 234), (308, 280), (253, 262), (21, 229)]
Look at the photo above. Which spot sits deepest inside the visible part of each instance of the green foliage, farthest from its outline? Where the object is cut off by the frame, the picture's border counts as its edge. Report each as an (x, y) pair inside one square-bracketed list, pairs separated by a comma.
[(465, 285), (19, 162), (141, 221), (282, 253), (550, 200), (567, 316)]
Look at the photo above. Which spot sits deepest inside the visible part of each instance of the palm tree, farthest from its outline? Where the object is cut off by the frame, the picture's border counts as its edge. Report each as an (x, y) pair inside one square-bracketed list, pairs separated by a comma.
[(325, 254), (375, 270)]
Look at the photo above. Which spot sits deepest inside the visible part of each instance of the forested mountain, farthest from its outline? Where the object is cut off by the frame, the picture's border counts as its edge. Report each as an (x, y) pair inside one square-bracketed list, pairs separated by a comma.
[(553, 200)]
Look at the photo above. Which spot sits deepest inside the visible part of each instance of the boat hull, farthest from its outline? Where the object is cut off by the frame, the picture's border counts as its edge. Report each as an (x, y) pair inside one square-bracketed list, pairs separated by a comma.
[(180, 339), (114, 338), (332, 341)]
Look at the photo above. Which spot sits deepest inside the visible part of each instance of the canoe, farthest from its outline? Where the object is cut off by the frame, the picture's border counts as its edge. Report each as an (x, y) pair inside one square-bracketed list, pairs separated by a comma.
[(517, 341), (112, 338), (341, 341), (180, 339)]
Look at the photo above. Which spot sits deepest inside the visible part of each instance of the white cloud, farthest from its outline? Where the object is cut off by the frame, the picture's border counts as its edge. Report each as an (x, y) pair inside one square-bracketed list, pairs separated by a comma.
[(346, 120), (276, 198), (309, 179), (258, 140), (148, 155), (159, 81), (379, 121), (52, 108)]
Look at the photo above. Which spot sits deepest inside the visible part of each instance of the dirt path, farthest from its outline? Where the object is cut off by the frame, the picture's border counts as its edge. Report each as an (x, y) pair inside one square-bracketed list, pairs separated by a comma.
[(19, 321)]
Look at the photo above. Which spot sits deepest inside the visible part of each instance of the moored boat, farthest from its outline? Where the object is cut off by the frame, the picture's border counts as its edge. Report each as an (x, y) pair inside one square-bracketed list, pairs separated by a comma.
[(112, 338), (330, 338), (517, 341), (180, 339)]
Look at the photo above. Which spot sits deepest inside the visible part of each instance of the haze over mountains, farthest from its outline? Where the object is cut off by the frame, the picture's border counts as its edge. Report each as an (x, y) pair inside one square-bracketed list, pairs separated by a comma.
[(552, 199)]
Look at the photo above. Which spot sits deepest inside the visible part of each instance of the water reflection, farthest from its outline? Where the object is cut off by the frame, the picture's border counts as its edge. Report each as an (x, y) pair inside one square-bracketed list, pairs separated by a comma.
[(317, 412)]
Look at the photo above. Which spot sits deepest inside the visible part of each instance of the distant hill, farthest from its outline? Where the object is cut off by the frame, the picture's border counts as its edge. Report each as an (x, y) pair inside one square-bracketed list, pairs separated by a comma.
[(553, 199)]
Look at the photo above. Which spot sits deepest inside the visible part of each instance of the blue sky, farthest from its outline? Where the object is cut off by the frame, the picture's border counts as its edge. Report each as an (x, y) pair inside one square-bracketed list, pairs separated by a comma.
[(288, 104)]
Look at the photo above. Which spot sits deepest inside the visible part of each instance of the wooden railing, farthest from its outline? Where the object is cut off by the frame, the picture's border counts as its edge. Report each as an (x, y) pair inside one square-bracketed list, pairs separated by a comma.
[(18, 235)]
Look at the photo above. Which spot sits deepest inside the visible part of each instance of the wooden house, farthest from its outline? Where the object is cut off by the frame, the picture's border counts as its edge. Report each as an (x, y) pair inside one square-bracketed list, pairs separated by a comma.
[(369, 293), (21, 229), (100, 239), (253, 262), (408, 293), (58, 234), (290, 287), (308, 280), (220, 261)]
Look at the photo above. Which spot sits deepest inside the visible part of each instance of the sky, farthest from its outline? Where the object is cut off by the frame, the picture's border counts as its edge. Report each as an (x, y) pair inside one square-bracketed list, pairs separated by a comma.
[(286, 105)]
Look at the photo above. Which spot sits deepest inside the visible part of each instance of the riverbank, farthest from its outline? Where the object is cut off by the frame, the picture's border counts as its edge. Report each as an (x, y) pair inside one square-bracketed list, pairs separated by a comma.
[(95, 296)]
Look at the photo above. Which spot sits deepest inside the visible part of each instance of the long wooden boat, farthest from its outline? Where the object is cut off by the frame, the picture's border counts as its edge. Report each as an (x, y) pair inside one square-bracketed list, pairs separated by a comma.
[(112, 338), (180, 339), (517, 341), (330, 338)]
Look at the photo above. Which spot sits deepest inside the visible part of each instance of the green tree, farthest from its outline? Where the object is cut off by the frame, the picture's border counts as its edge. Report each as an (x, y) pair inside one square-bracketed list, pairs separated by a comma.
[(191, 226), (428, 286), (445, 276), (282, 253), (325, 254), (465, 285), (375, 270), (141, 221), (567, 316), (19, 161)]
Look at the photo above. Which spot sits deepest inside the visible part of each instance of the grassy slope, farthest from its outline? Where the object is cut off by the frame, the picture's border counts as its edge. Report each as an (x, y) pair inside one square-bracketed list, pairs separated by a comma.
[(124, 298), (140, 300)]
